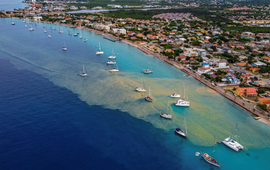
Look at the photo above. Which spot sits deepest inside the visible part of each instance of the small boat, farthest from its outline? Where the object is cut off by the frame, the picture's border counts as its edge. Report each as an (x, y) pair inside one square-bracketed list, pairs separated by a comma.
[(25, 25), (12, 23), (99, 52), (60, 31), (75, 35), (83, 73), (182, 102), (175, 95), (85, 39), (69, 33), (147, 71), (114, 69), (148, 98), (80, 37), (45, 31), (64, 48), (111, 62), (140, 89), (166, 115), (197, 154), (232, 143), (49, 36), (210, 159), (180, 132), (112, 56), (31, 29)]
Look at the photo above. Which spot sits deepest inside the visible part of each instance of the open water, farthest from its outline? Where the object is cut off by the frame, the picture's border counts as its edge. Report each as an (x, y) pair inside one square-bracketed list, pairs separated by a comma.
[(51, 118), (9, 5)]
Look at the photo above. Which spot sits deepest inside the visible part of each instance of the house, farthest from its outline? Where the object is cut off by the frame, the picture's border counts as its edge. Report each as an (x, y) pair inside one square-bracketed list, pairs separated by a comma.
[(73, 8), (267, 59), (263, 100), (242, 64), (248, 34), (202, 52), (246, 91), (203, 70), (221, 64), (181, 58), (254, 69)]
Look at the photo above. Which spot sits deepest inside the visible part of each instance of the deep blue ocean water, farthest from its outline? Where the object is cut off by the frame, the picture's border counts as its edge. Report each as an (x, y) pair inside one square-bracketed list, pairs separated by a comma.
[(47, 127), (50, 118)]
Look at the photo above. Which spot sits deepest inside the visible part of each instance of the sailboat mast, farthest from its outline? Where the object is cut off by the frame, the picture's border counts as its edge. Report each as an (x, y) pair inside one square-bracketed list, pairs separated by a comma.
[(184, 91), (185, 125), (168, 108)]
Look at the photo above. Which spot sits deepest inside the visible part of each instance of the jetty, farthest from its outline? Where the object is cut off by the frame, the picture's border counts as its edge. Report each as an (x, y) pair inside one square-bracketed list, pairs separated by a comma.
[(110, 39)]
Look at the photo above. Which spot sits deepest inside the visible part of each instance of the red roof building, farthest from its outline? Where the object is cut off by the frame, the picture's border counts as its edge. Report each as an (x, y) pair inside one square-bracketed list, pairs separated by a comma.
[(246, 91)]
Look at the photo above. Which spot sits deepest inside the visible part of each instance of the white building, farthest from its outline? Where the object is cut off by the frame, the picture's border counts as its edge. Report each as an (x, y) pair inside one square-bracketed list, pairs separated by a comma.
[(73, 8), (222, 64), (202, 52), (119, 31)]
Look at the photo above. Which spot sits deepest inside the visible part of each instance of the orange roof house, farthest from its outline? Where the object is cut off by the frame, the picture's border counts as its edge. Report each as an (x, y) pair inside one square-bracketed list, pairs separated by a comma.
[(263, 100), (254, 69), (246, 91), (243, 64), (266, 59)]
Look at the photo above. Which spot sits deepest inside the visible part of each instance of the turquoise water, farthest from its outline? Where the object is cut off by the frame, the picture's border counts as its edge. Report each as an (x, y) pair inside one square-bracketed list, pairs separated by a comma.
[(209, 114)]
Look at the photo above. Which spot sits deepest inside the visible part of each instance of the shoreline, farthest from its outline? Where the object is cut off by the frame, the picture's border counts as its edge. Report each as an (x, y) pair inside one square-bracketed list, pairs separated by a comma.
[(243, 104), (239, 102)]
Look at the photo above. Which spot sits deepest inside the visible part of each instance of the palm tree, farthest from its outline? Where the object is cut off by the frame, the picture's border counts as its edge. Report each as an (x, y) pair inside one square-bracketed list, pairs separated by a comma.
[(245, 92)]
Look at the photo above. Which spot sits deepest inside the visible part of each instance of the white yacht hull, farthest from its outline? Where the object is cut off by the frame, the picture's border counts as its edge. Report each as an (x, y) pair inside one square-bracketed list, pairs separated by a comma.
[(138, 89), (175, 96), (231, 143), (113, 70), (111, 57), (99, 52)]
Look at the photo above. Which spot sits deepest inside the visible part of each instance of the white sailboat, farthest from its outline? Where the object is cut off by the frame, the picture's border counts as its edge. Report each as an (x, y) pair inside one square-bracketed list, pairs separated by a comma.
[(45, 31), (232, 143), (111, 62), (85, 39), (147, 71), (83, 73), (182, 102), (114, 69), (64, 48), (49, 36), (99, 52), (60, 31), (31, 28), (180, 131), (112, 56), (148, 98), (140, 89), (166, 115), (175, 94)]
